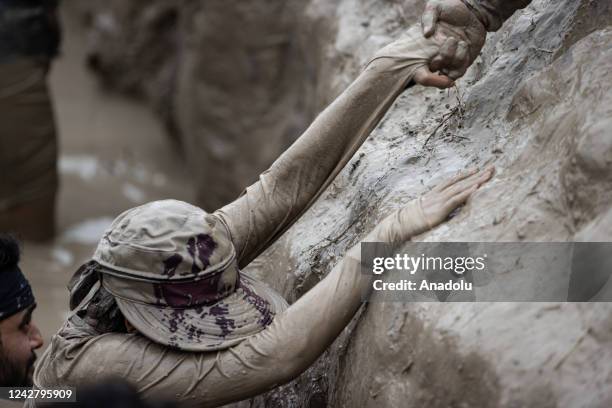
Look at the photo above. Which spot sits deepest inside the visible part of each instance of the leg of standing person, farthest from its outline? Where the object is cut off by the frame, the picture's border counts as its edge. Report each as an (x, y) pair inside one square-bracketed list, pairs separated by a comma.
[(28, 150), (29, 39)]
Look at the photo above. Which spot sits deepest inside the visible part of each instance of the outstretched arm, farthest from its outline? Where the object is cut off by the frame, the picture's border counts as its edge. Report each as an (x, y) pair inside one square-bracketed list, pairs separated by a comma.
[(493, 13), (270, 206), (298, 336)]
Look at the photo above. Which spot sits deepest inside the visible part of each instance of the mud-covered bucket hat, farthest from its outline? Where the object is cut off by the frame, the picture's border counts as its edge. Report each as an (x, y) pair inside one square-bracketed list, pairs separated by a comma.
[(172, 269)]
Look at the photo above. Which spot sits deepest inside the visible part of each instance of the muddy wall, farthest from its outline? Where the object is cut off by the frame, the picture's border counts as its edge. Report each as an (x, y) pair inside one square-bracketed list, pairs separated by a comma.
[(246, 78)]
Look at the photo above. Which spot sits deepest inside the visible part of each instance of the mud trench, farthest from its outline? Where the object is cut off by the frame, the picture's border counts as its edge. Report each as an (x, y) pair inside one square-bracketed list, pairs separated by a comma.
[(238, 82)]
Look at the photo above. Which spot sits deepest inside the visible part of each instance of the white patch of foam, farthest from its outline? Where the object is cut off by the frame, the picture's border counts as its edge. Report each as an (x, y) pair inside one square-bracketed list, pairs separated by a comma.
[(89, 167), (62, 256), (133, 193), (141, 174), (83, 166), (87, 232)]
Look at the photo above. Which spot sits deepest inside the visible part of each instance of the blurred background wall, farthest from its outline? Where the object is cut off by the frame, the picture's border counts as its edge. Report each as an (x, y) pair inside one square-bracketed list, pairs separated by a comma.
[(235, 83)]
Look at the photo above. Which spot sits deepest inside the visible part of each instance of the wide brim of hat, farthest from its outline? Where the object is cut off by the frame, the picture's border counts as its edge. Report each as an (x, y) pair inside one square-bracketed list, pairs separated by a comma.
[(223, 324)]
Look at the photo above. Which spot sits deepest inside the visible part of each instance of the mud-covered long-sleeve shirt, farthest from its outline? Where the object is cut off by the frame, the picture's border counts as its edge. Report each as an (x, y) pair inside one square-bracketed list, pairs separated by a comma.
[(297, 337), (493, 13)]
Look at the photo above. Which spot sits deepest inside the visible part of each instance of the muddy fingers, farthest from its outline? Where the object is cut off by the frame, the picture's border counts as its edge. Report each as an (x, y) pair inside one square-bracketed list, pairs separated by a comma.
[(425, 77), (475, 179), (442, 200), (461, 198), (447, 55), (455, 179), (467, 26), (428, 211), (429, 19), (461, 56)]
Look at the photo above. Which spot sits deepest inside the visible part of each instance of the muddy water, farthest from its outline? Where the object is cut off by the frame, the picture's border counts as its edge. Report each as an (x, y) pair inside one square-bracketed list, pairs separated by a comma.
[(114, 156)]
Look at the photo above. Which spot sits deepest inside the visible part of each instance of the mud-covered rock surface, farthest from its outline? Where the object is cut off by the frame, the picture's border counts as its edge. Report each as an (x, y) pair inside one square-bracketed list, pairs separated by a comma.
[(250, 75)]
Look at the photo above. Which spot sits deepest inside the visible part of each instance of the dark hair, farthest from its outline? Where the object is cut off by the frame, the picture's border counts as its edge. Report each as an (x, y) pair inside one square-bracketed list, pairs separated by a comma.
[(9, 251), (9, 257), (103, 313)]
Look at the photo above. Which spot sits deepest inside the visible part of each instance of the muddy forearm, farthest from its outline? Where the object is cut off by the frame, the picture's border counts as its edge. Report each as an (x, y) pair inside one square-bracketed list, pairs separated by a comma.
[(270, 206), (493, 13)]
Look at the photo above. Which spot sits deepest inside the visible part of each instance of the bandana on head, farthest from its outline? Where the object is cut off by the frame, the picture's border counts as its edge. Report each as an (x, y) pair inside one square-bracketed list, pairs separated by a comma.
[(15, 292)]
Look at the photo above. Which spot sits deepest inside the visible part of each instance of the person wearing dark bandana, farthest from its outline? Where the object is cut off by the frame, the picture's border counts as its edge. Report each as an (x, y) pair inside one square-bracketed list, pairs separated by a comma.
[(19, 336)]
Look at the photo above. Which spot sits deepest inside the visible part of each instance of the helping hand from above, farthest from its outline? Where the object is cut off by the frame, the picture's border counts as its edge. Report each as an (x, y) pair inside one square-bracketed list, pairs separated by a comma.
[(450, 54), (469, 32), (415, 54)]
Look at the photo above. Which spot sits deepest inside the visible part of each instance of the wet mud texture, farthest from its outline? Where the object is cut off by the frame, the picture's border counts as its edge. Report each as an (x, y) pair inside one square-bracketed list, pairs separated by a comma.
[(536, 104)]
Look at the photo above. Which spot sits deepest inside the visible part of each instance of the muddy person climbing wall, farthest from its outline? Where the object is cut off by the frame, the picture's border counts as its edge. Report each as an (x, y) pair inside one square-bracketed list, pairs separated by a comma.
[(247, 78)]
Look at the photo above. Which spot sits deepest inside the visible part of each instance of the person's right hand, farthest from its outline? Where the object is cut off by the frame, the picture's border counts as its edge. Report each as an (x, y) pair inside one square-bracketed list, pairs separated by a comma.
[(431, 209), (469, 31), (445, 198)]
